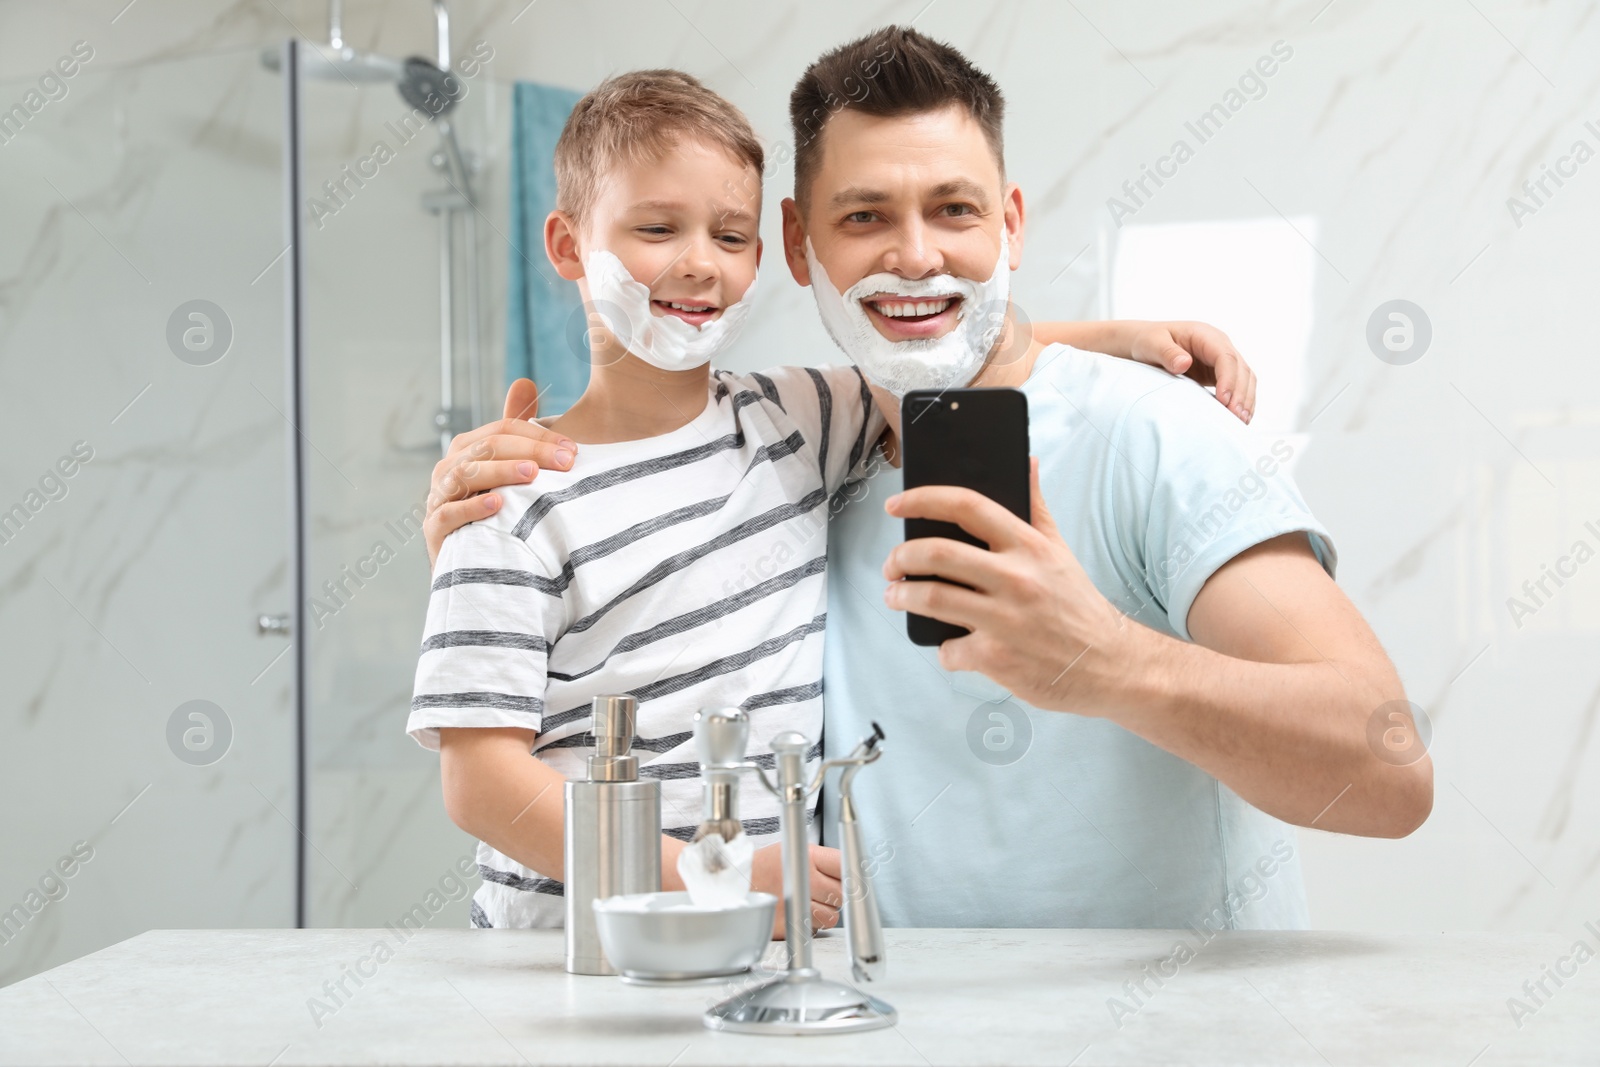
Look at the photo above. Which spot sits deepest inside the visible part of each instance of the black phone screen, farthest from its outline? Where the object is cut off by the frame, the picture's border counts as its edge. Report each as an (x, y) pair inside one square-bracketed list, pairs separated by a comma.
[(973, 438)]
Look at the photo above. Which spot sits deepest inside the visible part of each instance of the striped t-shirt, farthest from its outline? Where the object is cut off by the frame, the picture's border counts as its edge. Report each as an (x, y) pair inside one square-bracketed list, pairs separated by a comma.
[(687, 569)]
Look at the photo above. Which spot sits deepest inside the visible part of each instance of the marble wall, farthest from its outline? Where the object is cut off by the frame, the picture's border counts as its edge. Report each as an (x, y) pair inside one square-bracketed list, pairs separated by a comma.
[(1384, 158)]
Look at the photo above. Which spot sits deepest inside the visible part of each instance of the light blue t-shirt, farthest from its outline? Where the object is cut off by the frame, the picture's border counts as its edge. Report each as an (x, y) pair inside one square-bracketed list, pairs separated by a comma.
[(985, 811)]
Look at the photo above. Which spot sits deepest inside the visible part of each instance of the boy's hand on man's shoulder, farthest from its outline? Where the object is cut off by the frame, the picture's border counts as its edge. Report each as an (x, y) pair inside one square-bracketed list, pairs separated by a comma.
[(1202, 352), (508, 451)]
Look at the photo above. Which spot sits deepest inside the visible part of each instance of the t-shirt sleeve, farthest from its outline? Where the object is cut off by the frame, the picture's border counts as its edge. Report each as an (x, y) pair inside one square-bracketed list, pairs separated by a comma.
[(833, 409), (493, 611), (1193, 488)]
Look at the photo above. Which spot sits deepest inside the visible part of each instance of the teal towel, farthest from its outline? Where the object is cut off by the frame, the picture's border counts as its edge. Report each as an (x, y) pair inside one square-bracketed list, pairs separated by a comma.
[(545, 322)]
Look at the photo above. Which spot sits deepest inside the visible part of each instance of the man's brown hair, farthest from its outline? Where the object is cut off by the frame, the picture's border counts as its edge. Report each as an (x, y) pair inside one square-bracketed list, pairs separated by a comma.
[(636, 118), (890, 72)]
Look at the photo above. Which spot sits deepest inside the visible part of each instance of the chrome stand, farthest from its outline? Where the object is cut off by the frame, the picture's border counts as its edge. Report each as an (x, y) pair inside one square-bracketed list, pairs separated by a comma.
[(800, 1000)]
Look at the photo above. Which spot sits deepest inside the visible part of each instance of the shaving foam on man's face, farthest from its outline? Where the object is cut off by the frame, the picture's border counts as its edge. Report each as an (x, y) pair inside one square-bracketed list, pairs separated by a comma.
[(917, 356)]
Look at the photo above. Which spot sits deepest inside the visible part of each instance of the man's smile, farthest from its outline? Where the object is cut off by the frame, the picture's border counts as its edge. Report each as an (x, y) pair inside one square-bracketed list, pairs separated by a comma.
[(902, 318)]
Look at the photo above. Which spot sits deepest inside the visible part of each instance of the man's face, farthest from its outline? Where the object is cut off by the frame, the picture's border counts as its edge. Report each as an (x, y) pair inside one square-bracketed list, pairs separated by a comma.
[(911, 196)]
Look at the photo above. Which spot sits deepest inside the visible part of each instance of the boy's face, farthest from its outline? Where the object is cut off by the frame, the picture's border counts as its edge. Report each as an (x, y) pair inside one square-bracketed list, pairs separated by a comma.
[(685, 225)]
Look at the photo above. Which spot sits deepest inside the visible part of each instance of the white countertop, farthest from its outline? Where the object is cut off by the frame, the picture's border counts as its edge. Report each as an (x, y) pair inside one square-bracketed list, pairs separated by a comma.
[(964, 997)]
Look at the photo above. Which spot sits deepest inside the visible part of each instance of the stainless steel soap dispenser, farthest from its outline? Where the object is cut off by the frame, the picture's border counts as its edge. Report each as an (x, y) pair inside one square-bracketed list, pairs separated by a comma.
[(613, 831)]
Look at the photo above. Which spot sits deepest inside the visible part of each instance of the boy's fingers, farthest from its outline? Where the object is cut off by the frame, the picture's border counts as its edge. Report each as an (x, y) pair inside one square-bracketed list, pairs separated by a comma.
[(1241, 382), (1236, 382), (825, 890), (826, 872), (821, 919), (1177, 360), (1227, 372), (1238, 377), (827, 860)]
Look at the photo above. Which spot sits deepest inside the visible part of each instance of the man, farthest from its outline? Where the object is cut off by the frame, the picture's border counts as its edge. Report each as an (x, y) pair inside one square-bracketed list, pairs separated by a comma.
[(1160, 671)]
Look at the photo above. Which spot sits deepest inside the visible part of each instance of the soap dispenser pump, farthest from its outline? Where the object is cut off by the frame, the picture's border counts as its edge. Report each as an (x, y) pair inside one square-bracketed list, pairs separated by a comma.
[(613, 831)]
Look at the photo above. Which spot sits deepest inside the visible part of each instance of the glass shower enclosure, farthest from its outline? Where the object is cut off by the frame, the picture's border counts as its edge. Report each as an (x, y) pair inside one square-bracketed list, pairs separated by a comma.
[(244, 299)]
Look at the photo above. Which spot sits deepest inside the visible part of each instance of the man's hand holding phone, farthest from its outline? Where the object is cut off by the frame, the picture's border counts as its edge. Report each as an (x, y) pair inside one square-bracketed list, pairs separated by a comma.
[(1038, 625)]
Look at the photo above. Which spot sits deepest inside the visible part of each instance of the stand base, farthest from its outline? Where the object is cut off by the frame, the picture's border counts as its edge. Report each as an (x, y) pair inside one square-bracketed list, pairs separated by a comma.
[(800, 1002)]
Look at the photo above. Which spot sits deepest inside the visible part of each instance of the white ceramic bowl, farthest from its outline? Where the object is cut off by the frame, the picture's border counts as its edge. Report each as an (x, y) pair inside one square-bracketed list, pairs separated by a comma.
[(663, 936)]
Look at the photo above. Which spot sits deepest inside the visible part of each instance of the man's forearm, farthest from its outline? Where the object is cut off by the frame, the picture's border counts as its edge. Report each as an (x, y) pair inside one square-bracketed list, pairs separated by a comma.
[(1290, 738)]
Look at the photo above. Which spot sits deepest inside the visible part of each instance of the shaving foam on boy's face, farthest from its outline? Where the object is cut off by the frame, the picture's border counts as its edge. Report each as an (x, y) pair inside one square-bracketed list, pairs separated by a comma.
[(669, 256), (663, 339)]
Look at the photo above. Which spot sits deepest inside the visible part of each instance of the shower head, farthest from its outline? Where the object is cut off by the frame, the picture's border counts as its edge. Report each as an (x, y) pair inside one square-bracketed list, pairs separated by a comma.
[(327, 63), (428, 88), (337, 61), (436, 92)]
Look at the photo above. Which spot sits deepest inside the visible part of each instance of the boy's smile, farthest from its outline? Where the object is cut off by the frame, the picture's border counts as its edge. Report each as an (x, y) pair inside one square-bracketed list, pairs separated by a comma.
[(695, 313)]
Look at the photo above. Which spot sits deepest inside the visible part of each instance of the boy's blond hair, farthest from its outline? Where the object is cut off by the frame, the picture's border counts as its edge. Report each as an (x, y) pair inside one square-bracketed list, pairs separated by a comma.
[(637, 117)]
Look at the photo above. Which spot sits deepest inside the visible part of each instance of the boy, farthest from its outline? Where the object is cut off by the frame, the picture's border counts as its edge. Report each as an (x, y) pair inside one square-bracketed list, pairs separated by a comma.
[(678, 559)]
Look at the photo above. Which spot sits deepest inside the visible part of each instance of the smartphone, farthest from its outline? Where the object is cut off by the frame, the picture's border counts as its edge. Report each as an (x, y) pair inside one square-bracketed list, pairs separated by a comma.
[(973, 438)]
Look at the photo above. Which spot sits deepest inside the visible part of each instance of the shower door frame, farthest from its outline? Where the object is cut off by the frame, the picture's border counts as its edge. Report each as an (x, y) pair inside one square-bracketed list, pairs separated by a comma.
[(294, 357)]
